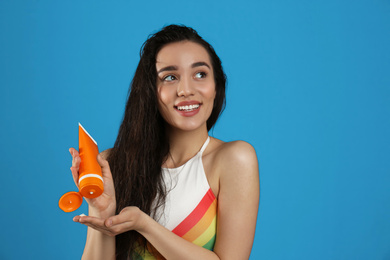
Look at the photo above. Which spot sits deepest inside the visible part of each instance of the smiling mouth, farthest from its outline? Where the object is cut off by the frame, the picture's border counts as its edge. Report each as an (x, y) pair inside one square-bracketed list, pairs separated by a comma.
[(188, 108)]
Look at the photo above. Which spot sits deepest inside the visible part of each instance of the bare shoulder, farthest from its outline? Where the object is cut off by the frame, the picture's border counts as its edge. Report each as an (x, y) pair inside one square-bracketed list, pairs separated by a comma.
[(236, 153), (234, 160), (105, 153)]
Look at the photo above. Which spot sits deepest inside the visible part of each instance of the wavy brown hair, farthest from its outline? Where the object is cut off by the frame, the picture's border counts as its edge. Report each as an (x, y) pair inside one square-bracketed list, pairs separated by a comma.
[(142, 145)]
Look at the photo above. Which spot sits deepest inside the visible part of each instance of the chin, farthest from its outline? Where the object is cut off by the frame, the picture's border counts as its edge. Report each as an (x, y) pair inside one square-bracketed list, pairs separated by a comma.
[(190, 126)]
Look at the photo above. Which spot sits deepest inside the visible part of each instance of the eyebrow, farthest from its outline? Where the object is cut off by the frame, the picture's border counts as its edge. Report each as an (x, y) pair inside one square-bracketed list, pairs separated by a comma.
[(194, 65), (200, 63), (168, 68)]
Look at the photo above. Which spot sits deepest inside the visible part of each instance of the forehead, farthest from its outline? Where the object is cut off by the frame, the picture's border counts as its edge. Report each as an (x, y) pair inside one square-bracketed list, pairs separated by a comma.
[(183, 53)]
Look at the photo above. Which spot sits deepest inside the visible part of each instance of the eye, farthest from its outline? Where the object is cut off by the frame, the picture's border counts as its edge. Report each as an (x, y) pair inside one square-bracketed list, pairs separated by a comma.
[(200, 75), (169, 78)]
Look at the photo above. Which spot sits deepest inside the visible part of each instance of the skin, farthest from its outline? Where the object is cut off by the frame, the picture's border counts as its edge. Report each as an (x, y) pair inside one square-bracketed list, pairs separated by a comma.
[(185, 77), (231, 169)]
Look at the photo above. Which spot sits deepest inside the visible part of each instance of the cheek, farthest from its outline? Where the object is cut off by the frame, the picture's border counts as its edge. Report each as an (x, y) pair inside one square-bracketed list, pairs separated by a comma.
[(210, 92), (214, 94), (163, 96), (209, 95), (164, 102)]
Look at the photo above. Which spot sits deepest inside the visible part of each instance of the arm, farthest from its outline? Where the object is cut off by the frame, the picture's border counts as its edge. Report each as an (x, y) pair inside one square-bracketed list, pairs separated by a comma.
[(98, 245), (238, 202)]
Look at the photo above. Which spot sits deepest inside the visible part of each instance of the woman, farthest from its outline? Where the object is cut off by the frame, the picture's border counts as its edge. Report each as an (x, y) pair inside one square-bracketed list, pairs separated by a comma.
[(170, 190)]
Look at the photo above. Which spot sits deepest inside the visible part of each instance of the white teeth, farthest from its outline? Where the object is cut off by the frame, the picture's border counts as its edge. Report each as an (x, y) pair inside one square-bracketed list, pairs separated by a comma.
[(188, 108)]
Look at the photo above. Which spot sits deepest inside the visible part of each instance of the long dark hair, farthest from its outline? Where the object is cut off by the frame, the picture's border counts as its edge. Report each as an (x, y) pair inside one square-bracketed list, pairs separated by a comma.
[(142, 146)]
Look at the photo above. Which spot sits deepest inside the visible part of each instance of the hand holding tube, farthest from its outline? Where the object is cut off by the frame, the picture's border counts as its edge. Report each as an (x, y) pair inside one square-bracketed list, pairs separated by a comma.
[(103, 206), (92, 176)]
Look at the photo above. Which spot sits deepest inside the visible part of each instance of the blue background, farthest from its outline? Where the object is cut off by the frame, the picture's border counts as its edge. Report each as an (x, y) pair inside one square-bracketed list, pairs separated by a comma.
[(309, 88)]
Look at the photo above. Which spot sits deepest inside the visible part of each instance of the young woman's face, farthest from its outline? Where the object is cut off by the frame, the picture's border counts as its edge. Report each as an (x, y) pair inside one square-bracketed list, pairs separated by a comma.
[(185, 85)]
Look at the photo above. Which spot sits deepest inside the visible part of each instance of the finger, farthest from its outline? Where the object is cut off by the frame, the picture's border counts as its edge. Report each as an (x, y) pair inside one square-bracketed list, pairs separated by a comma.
[(105, 167), (99, 228), (122, 222), (75, 169), (98, 222), (76, 218), (76, 161), (73, 152), (95, 223), (75, 158), (120, 228), (75, 175), (127, 215)]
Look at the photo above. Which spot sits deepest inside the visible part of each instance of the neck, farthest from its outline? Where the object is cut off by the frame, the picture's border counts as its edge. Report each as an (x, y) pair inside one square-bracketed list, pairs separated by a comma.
[(184, 145)]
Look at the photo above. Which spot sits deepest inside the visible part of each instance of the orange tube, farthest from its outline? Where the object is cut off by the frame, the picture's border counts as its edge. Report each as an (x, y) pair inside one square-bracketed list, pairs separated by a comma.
[(90, 173)]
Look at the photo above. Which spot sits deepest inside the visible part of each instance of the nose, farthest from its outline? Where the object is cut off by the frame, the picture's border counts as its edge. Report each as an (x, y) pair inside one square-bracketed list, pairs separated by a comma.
[(185, 88)]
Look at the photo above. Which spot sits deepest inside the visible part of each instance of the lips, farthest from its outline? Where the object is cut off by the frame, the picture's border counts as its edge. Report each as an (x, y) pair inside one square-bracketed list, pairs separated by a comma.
[(188, 108)]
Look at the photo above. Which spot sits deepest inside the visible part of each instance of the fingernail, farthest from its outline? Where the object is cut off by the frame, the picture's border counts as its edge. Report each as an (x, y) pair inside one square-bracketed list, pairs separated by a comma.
[(109, 222)]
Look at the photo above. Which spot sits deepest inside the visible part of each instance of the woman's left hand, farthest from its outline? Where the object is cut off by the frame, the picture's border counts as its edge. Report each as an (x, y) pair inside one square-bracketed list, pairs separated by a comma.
[(130, 218)]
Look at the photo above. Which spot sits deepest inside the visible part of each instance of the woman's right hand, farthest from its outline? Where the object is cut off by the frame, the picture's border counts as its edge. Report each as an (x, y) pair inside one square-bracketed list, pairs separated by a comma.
[(103, 206)]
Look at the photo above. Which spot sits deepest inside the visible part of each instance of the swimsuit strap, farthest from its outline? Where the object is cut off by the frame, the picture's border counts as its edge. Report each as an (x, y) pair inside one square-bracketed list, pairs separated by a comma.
[(204, 146)]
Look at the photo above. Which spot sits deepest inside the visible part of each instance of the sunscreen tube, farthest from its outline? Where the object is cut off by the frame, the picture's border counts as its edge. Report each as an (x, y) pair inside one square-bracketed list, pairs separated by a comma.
[(90, 172)]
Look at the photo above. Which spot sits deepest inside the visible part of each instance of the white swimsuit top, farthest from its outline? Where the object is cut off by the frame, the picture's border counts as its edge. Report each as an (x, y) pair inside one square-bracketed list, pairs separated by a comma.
[(191, 208)]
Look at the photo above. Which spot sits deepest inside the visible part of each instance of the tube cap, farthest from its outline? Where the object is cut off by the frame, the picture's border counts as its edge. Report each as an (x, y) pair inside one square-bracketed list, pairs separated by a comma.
[(70, 201)]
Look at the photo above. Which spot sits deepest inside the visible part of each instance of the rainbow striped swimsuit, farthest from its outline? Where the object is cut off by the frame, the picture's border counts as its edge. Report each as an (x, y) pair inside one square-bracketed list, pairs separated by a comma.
[(191, 208)]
